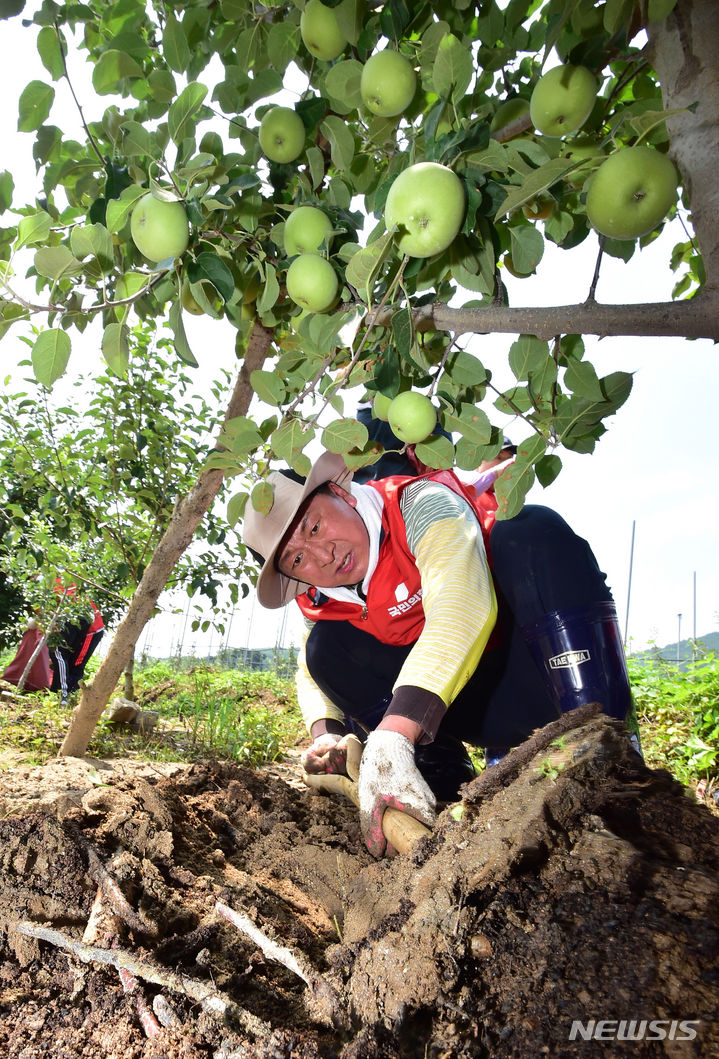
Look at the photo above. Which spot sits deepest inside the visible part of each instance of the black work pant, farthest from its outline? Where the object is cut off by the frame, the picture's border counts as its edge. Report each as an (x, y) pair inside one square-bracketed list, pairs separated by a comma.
[(539, 565)]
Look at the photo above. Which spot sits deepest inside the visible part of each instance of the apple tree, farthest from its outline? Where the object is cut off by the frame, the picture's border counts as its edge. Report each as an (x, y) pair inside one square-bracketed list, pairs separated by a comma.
[(87, 488), (443, 152)]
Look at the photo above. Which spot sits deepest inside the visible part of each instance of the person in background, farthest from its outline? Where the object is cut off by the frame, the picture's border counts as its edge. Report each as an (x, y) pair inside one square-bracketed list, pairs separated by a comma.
[(78, 639), (428, 629), (482, 480)]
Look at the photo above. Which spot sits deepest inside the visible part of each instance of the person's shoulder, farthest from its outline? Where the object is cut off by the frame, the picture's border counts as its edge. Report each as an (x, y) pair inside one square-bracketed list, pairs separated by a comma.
[(431, 498)]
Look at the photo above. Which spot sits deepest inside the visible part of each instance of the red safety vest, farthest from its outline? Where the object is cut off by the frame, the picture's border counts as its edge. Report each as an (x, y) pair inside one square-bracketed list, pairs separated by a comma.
[(393, 613)]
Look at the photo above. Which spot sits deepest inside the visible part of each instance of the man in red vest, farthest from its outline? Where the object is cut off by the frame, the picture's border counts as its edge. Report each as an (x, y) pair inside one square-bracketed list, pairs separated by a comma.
[(420, 639)]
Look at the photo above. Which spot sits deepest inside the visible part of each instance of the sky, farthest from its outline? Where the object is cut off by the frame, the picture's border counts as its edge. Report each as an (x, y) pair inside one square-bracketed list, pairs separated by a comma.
[(647, 499)]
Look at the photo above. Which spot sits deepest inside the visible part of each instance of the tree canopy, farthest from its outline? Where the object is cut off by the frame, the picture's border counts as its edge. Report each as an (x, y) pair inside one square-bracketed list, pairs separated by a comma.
[(190, 84), (207, 124)]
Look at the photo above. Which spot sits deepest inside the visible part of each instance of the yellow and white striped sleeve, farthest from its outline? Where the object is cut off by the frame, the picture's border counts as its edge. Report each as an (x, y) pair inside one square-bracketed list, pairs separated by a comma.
[(458, 597)]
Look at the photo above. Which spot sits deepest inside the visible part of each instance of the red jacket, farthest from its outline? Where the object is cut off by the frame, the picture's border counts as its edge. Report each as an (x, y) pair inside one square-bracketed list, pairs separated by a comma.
[(393, 612)]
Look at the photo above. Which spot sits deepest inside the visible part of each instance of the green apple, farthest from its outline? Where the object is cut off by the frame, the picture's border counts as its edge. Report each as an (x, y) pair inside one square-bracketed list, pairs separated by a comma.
[(282, 134), (387, 83), (631, 192), (508, 112), (306, 229), (380, 407), (159, 227), (412, 416), (320, 31), (562, 100), (312, 283), (426, 202), (583, 149)]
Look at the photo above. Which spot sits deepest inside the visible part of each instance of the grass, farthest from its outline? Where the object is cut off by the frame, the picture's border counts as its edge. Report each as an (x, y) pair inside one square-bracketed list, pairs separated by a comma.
[(679, 715), (252, 717), (236, 715)]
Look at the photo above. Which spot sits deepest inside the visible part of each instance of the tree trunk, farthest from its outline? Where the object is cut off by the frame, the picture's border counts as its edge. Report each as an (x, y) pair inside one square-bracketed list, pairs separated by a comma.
[(129, 678), (186, 518), (684, 50)]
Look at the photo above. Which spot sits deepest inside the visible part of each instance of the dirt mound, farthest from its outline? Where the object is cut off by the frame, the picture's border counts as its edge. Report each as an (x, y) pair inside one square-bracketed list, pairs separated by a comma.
[(576, 887)]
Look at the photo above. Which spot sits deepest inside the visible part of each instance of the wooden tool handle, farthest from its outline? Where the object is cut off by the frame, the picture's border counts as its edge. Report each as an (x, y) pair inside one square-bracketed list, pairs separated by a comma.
[(400, 829)]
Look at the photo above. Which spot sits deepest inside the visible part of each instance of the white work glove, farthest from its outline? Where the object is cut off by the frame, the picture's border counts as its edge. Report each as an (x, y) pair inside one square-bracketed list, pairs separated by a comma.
[(327, 755), (389, 778)]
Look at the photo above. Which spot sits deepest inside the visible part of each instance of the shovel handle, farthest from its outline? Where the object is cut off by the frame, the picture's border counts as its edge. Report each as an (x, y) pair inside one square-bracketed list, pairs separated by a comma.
[(400, 829)]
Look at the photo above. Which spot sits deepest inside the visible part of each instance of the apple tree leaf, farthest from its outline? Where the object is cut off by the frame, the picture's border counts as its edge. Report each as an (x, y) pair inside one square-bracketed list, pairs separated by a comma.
[(183, 110), (431, 39), (465, 370), (34, 106), (363, 266), (657, 10), (116, 349), (118, 210), (174, 45), (345, 434), (8, 8), (283, 43), (617, 13), (95, 240), (581, 378), (527, 247), (240, 436), (342, 142), (289, 440), (211, 267), (268, 386), (350, 15), (472, 423), (547, 468), (402, 331), (136, 140), (7, 186), (50, 355), (536, 181), (436, 451), (182, 346), (113, 66), (453, 68), (10, 313), (236, 507), (342, 83), (54, 262), (50, 52), (511, 489), (527, 355), (33, 229), (270, 291), (262, 497)]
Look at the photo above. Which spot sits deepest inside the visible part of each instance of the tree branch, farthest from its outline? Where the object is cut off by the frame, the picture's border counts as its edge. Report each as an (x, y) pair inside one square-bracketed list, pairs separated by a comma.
[(695, 318)]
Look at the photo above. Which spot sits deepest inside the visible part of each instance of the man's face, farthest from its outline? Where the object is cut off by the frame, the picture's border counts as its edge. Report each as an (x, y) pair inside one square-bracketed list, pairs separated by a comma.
[(327, 545)]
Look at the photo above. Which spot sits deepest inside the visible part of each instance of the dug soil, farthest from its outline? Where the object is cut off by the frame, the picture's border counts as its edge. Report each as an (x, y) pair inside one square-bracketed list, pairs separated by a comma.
[(572, 886)]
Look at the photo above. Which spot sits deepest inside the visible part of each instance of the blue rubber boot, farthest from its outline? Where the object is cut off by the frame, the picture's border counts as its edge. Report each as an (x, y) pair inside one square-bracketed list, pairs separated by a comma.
[(580, 654)]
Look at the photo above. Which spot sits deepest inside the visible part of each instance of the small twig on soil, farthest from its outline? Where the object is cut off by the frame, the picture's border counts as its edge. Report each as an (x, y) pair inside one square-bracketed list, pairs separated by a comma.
[(131, 986), (323, 992), (273, 951), (165, 1012), (116, 898), (492, 780), (209, 998)]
